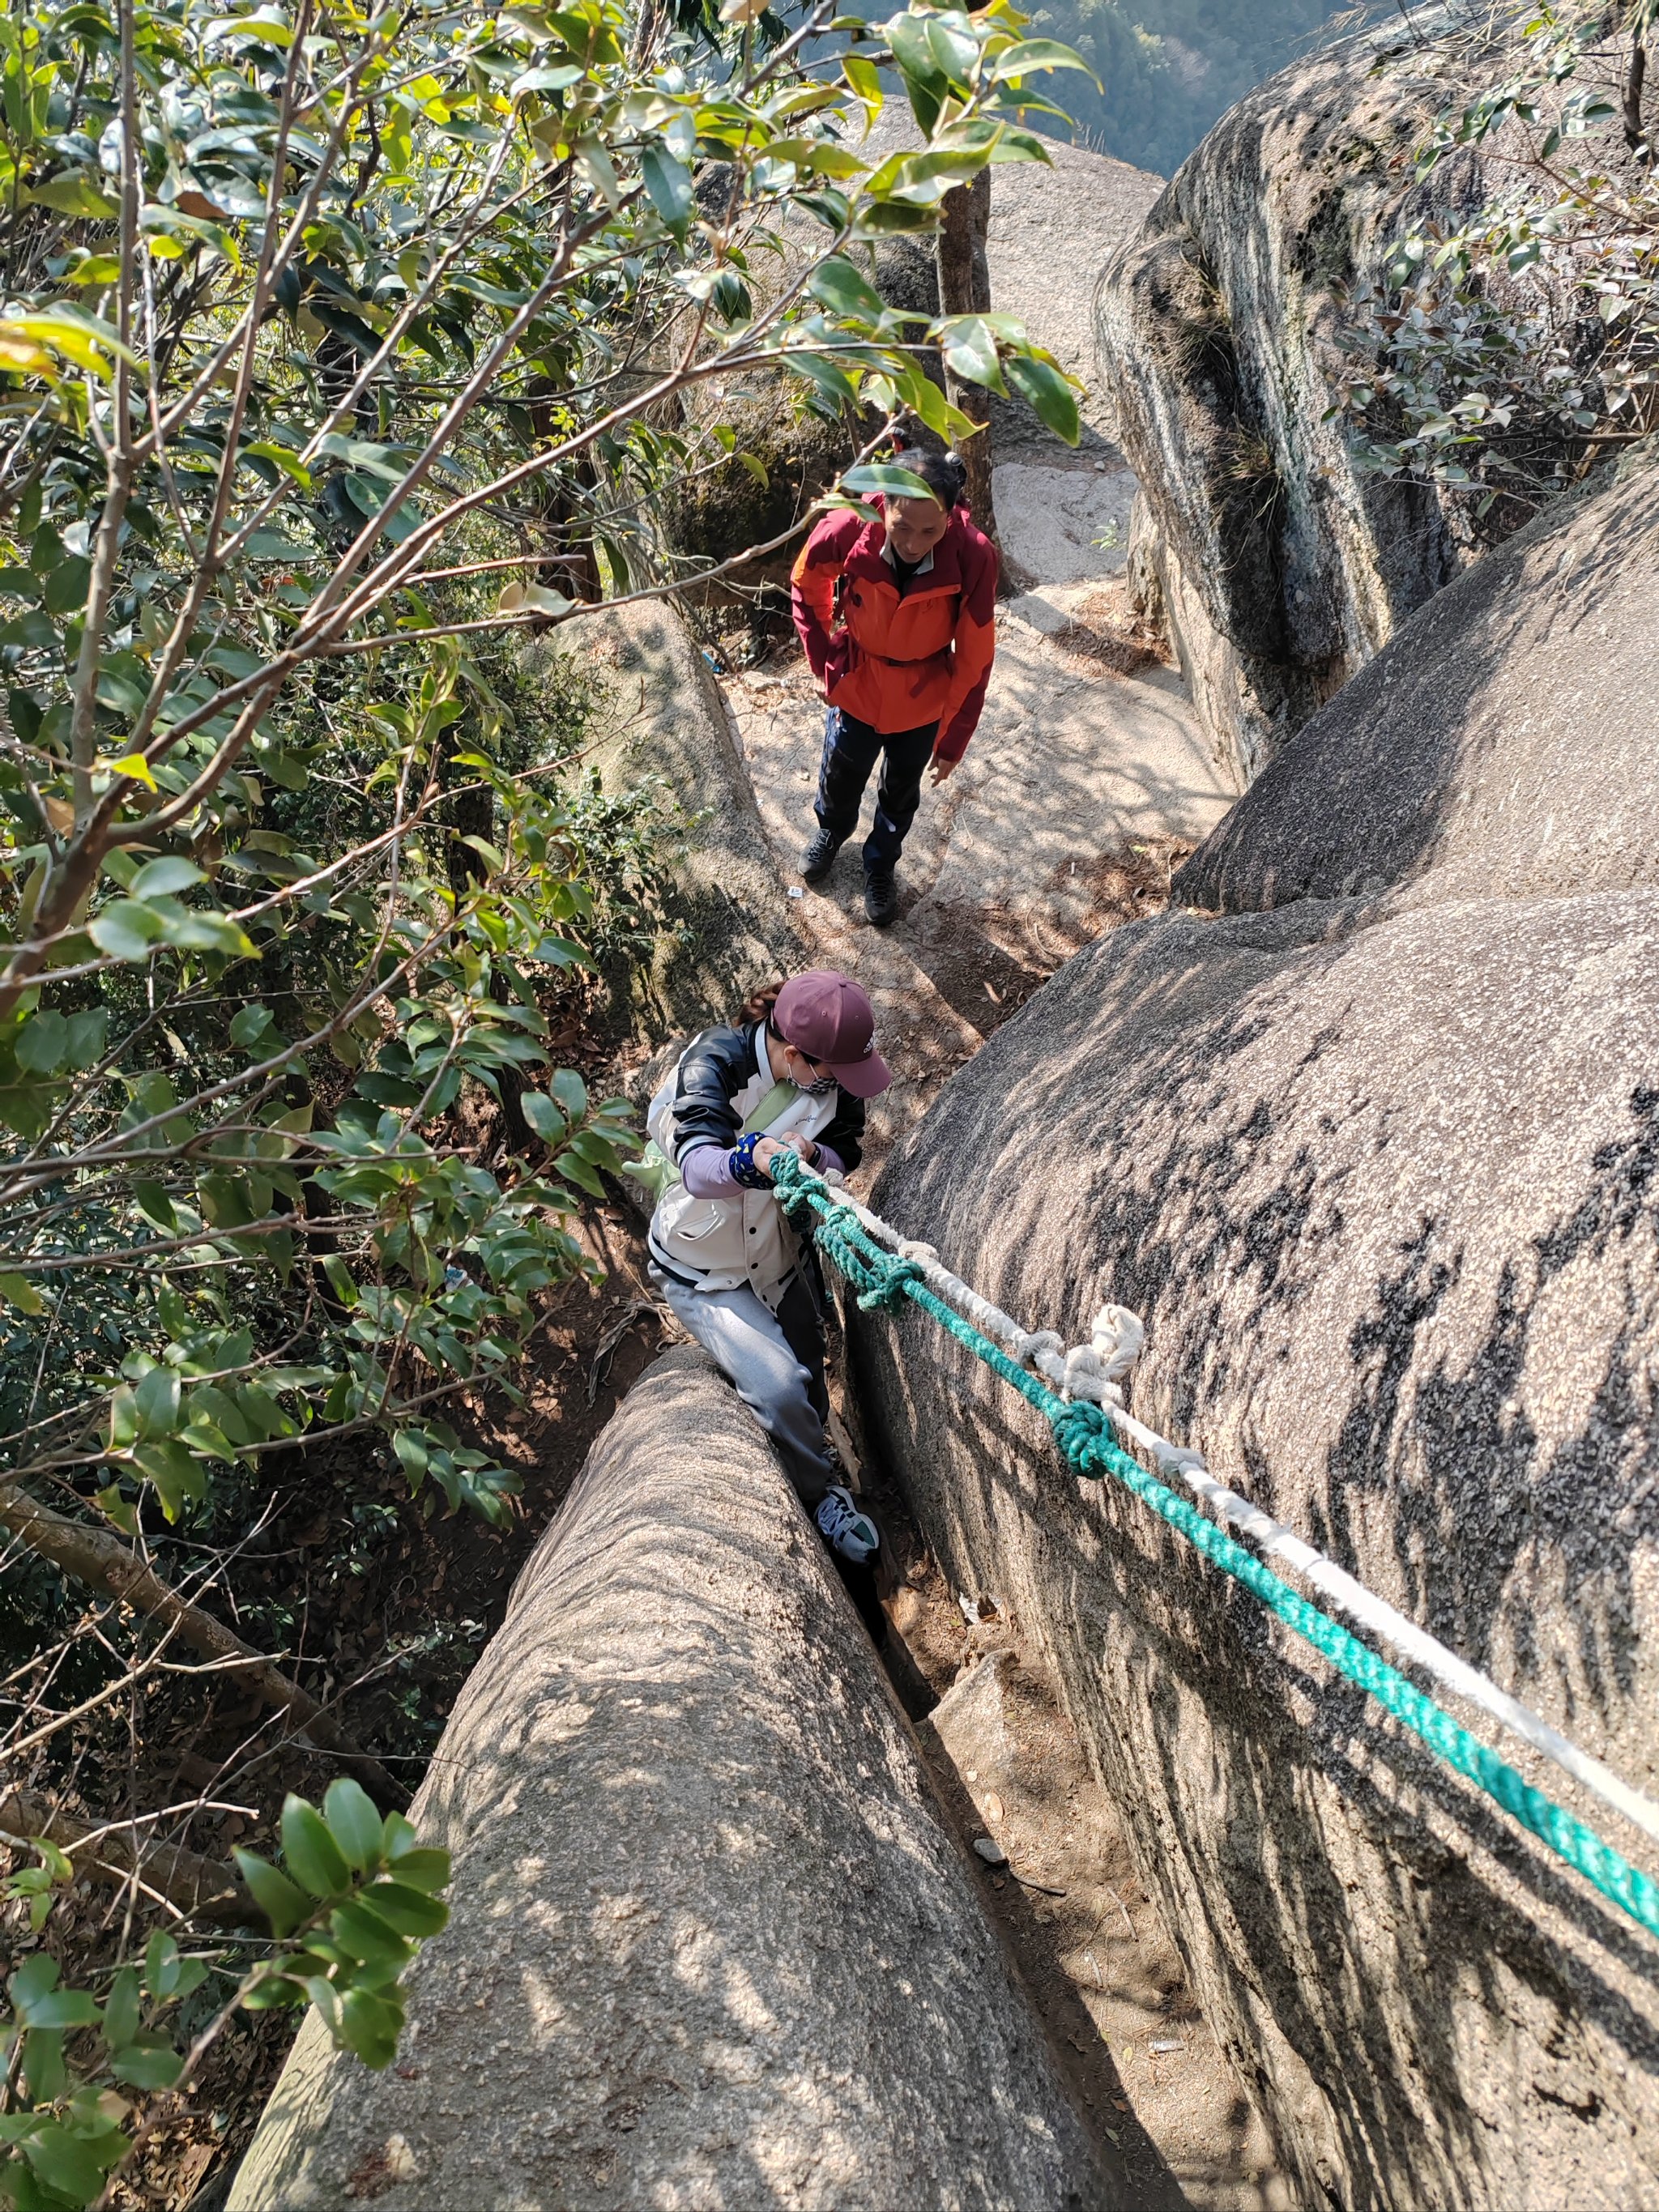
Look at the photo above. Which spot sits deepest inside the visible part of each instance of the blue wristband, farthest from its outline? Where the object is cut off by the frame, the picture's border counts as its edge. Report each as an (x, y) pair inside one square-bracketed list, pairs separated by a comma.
[(741, 1161)]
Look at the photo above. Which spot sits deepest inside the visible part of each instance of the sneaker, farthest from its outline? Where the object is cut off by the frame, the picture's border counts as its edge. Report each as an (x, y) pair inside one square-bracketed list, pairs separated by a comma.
[(843, 1528), (881, 898), (819, 857)]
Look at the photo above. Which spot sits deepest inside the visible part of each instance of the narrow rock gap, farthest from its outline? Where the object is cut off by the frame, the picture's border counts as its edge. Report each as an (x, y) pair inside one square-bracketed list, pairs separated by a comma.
[(1085, 786)]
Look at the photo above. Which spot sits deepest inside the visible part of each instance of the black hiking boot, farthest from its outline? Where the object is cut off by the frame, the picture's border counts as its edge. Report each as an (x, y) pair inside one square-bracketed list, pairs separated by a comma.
[(881, 898), (819, 857)]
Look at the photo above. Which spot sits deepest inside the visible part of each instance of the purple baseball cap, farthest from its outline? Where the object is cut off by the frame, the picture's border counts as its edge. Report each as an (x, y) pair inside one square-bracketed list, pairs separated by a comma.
[(825, 1015)]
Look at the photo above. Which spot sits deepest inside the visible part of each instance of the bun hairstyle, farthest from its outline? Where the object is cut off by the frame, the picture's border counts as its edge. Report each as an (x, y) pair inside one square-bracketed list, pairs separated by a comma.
[(759, 1007), (946, 475)]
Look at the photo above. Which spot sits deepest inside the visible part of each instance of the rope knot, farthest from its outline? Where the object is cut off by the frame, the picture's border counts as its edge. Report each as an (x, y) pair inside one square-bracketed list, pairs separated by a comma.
[(1078, 1426), (790, 1187), (887, 1277)]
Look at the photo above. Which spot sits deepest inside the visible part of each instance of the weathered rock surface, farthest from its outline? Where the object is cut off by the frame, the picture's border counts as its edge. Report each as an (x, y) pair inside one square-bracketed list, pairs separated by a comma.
[(711, 1944), (1503, 747), (1381, 1172), (1063, 525), (661, 716), (1278, 567)]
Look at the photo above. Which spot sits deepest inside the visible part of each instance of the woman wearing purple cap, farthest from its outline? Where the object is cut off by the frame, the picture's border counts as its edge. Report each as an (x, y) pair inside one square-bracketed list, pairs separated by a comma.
[(792, 1077)]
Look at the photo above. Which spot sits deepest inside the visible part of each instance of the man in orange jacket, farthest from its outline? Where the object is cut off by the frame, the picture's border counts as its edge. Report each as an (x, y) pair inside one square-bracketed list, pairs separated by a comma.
[(898, 619)]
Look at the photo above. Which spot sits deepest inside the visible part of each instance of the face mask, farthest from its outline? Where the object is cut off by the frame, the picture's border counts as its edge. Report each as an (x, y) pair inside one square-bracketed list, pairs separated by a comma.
[(820, 1087)]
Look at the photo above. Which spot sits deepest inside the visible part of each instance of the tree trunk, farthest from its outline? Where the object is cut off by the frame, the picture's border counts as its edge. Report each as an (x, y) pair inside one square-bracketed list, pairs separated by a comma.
[(206, 1889), (964, 288)]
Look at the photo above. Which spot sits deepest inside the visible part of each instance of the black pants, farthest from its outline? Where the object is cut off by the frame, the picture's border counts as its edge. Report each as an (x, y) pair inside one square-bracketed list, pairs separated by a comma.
[(850, 748)]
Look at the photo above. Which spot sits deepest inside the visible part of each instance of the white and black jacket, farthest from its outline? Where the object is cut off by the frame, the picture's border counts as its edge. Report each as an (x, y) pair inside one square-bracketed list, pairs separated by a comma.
[(721, 1243)]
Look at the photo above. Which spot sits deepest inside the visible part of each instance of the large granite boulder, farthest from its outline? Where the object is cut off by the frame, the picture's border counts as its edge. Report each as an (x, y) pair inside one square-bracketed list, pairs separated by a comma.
[(712, 1943), (1380, 1170), (1506, 750), (1276, 565), (660, 722)]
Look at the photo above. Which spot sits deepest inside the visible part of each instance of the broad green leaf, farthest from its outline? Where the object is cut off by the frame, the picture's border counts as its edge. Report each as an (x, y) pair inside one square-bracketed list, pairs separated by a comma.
[(169, 873), (887, 476), (43, 1042), (970, 347), (542, 1115), (147, 2065), (866, 80), (839, 285), (156, 1206), (353, 1822), (176, 1474), (121, 2010), (1032, 54), (75, 195), (283, 1904), (422, 1866), (126, 929), (252, 1026), (412, 1912), (668, 182), (17, 1290), (65, 2162), (313, 1858), (363, 1935), (161, 1964), (156, 1401), (281, 458), (1048, 391), (369, 2025), (570, 1090), (64, 591), (61, 2008), (134, 765)]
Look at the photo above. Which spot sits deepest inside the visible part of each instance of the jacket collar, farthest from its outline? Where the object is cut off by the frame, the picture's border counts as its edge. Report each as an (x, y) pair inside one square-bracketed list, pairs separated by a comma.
[(922, 568)]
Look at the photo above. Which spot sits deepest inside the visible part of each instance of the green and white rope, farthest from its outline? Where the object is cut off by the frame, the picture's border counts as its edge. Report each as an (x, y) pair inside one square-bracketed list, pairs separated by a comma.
[(881, 1277), (1094, 1370)]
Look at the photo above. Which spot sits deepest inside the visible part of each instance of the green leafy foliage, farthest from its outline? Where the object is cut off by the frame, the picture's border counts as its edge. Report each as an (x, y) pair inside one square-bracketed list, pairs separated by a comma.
[(1491, 355), (357, 359), (359, 1896)]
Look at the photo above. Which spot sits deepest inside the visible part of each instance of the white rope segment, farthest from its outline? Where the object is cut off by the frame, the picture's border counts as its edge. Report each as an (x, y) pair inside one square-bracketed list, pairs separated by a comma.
[(1094, 1371)]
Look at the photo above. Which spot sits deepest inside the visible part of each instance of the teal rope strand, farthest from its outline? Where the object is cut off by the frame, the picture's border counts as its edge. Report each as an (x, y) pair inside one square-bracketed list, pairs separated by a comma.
[(1082, 1430)]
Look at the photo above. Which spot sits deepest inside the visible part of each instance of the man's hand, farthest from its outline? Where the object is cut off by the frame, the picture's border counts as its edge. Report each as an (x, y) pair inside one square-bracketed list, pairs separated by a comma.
[(769, 1148), (942, 768)]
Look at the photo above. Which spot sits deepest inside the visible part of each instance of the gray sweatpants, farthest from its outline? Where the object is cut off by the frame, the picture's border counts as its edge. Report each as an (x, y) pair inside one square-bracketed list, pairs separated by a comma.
[(775, 1362)]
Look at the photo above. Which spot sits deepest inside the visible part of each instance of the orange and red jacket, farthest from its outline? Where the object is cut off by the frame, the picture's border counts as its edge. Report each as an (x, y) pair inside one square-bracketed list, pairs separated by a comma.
[(899, 662)]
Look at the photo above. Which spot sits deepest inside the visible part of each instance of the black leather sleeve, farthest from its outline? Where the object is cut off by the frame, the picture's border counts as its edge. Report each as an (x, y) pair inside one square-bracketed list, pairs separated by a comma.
[(845, 1134), (713, 1069)]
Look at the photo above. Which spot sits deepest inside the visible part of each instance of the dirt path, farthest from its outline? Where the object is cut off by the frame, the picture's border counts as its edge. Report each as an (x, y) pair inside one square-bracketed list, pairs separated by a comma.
[(1080, 787)]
